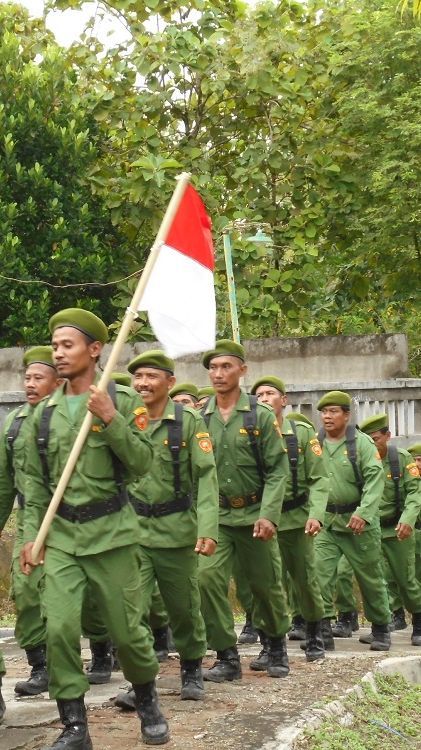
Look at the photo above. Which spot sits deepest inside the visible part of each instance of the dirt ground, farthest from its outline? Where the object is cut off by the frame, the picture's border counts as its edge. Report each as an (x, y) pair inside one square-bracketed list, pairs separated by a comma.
[(244, 714)]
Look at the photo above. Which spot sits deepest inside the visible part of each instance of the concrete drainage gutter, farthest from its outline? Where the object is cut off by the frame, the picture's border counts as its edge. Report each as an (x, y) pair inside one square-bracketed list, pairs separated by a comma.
[(407, 666)]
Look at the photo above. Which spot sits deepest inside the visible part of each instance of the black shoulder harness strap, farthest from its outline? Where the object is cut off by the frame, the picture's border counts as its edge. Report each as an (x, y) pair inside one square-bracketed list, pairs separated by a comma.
[(351, 447), (249, 424), (175, 439), (14, 429), (292, 450), (395, 470), (44, 435)]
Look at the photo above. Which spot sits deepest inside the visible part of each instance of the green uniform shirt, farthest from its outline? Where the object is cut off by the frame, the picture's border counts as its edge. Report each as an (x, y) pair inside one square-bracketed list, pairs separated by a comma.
[(197, 477), (312, 478), (236, 466), (12, 464), (93, 479), (410, 493), (343, 489)]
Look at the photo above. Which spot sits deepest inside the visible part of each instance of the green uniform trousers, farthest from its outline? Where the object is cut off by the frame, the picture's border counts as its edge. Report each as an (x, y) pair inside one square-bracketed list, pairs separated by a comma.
[(175, 571), (26, 592), (363, 552), (394, 598), (113, 577), (93, 625), (299, 576), (261, 564), (158, 615), (345, 597), (2, 667), (400, 557), (299, 560)]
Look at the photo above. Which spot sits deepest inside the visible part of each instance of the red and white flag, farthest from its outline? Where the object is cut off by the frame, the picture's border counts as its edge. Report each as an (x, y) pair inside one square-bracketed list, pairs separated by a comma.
[(179, 295)]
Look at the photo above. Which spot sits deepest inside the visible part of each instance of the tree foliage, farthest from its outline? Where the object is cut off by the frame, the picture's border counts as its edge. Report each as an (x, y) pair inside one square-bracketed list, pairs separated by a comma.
[(304, 117)]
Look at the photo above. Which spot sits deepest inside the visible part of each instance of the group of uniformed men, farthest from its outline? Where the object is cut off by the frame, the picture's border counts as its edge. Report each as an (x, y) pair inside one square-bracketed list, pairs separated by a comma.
[(175, 492)]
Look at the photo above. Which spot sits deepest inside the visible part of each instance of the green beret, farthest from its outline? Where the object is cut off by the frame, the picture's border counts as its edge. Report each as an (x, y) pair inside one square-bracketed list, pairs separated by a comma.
[(189, 388), (42, 355), (207, 390), (269, 380), (154, 358), (296, 416), (374, 423), (224, 348), (121, 378), (335, 398), (82, 320), (415, 450)]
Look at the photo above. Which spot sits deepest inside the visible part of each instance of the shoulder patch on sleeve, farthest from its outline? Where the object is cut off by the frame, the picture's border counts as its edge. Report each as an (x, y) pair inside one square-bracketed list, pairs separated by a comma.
[(377, 455), (413, 470), (142, 420), (316, 447), (202, 435), (140, 410), (205, 444)]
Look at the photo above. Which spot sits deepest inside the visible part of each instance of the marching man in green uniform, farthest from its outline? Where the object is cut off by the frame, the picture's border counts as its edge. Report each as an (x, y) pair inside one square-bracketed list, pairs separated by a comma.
[(252, 473), (186, 394), (399, 510), (415, 451), (177, 505), (302, 514), (352, 528), (40, 381), (93, 539)]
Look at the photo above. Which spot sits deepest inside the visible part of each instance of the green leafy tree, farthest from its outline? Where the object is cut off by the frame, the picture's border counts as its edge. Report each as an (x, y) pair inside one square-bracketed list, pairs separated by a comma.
[(52, 228)]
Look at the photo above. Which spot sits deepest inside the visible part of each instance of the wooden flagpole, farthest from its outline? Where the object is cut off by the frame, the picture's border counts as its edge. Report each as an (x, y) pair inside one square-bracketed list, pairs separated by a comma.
[(131, 312)]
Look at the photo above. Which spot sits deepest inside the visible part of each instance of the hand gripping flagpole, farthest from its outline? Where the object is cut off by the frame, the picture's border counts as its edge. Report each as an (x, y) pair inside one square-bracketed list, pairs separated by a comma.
[(131, 313)]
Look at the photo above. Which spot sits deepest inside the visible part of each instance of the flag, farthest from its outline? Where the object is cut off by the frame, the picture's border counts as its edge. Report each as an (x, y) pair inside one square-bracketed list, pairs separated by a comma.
[(179, 295)]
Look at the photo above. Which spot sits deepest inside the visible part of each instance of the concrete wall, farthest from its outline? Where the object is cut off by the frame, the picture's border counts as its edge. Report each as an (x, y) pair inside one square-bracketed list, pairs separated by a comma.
[(315, 359)]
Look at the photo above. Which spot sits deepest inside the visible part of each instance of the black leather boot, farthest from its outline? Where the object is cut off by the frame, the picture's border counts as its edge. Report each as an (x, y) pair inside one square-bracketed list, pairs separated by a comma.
[(314, 641), (126, 700), (160, 643), (154, 726), (327, 634), (192, 688), (226, 668), (398, 619), (298, 631), (354, 621), (38, 680), (75, 735), (100, 668), (381, 638), (343, 625), (249, 634), (260, 664), (2, 703), (278, 665), (416, 629)]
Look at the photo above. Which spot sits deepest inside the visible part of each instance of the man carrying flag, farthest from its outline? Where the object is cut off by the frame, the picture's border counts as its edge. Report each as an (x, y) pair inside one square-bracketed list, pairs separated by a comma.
[(93, 539)]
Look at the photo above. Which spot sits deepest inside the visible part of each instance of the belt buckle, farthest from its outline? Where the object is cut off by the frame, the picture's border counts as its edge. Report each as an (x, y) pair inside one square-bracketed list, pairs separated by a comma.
[(237, 502), (80, 514)]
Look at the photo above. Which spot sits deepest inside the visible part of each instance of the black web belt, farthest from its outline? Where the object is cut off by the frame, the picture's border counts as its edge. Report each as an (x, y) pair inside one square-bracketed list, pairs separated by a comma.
[(389, 521), (161, 509), (21, 500), (240, 501), (91, 511), (296, 502), (332, 508)]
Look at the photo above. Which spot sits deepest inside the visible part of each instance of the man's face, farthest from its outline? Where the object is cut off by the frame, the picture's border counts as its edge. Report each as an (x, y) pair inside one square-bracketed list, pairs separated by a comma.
[(40, 381), (225, 373), (153, 385), (72, 353), (335, 420), (381, 440), (185, 399), (267, 394), (202, 402), (417, 460)]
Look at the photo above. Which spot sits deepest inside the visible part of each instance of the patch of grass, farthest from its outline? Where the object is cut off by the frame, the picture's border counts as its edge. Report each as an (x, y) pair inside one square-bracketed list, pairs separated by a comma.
[(389, 719)]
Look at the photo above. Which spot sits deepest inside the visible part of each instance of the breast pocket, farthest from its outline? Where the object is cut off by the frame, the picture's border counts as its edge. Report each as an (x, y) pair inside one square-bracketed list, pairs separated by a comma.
[(97, 458), (164, 464), (243, 452)]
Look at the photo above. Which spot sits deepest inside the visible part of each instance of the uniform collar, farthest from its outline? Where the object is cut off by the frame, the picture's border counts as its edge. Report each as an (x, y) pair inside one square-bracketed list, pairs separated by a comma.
[(243, 404)]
